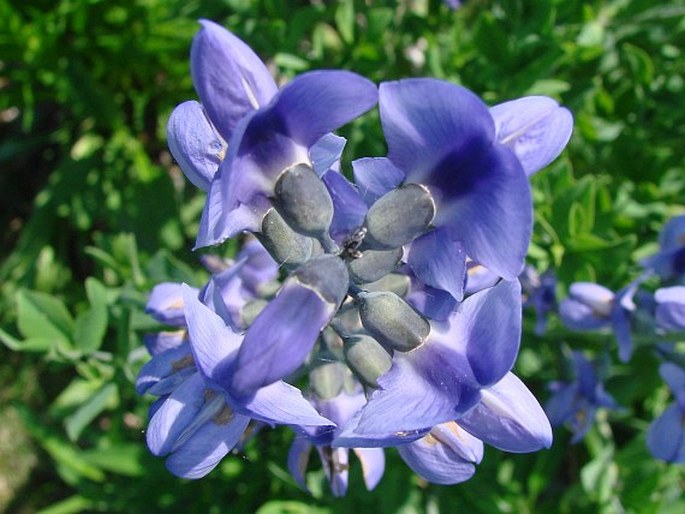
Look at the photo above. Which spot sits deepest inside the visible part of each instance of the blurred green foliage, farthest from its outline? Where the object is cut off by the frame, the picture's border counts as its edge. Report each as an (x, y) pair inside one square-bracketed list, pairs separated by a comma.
[(96, 213)]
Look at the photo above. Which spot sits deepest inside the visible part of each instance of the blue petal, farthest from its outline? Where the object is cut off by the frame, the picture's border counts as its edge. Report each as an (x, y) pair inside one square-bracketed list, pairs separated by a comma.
[(349, 208), (436, 461), (206, 447), (421, 389), (666, 435), (318, 102), (162, 341), (439, 262), (478, 277), (229, 78), (509, 417), (215, 346), (281, 403), (535, 127), (165, 304), (442, 136), (222, 219), (165, 371), (175, 414), (336, 465), (670, 309), (674, 376), (375, 176), (279, 339), (579, 316), (195, 145), (298, 460), (560, 406), (424, 120), (435, 304), (487, 326), (326, 152), (373, 465), (597, 297)]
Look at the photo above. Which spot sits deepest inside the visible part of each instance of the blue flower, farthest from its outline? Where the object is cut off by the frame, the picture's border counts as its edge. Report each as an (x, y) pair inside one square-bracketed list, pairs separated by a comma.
[(441, 379), (666, 435), (540, 293), (670, 307), (575, 403), (339, 409), (669, 261), (592, 306), (442, 138)]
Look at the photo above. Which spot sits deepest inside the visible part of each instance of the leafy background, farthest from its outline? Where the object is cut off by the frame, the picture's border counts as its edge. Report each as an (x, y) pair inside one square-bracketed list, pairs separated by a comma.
[(96, 212)]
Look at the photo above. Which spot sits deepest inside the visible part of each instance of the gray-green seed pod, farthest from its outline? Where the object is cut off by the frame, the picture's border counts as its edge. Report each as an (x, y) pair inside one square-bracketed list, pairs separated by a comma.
[(286, 246), (327, 275), (301, 197), (392, 322), (251, 310), (327, 379), (367, 358), (374, 265), (399, 216), (397, 283)]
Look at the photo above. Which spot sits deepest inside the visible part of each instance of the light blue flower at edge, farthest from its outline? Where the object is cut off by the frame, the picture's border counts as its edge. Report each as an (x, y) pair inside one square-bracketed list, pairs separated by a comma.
[(666, 435), (669, 261), (670, 308), (575, 403), (592, 307)]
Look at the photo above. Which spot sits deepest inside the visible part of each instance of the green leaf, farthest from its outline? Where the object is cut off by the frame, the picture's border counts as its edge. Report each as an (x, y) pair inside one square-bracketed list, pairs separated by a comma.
[(32, 344), (68, 457), (344, 19), (75, 423), (73, 504), (91, 325), (42, 316), (123, 459)]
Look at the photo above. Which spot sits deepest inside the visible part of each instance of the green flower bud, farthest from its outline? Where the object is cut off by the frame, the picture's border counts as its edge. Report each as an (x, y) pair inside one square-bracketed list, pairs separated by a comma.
[(327, 379), (367, 358), (399, 216), (392, 322), (302, 199), (286, 246), (373, 265)]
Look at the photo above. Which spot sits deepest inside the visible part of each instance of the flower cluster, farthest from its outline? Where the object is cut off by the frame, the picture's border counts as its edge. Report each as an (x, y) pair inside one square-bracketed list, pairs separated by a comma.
[(630, 313), (398, 320)]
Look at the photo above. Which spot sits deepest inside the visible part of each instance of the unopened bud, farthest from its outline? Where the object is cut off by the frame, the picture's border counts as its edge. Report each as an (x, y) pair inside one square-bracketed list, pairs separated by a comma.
[(367, 358), (326, 275), (397, 283), (399, 216), (327, 379), (286, 246), (392, 322), (251, 310), (374, 265), (301, 197)]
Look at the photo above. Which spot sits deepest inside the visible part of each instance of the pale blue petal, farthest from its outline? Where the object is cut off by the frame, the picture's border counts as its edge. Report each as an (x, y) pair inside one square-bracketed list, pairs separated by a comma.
[(535, 127), (326, 152), (509, 417), (375, 176), (373, 465), (194, 143), (439, 262), (666, 435), (206, 447), (229, 78)]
